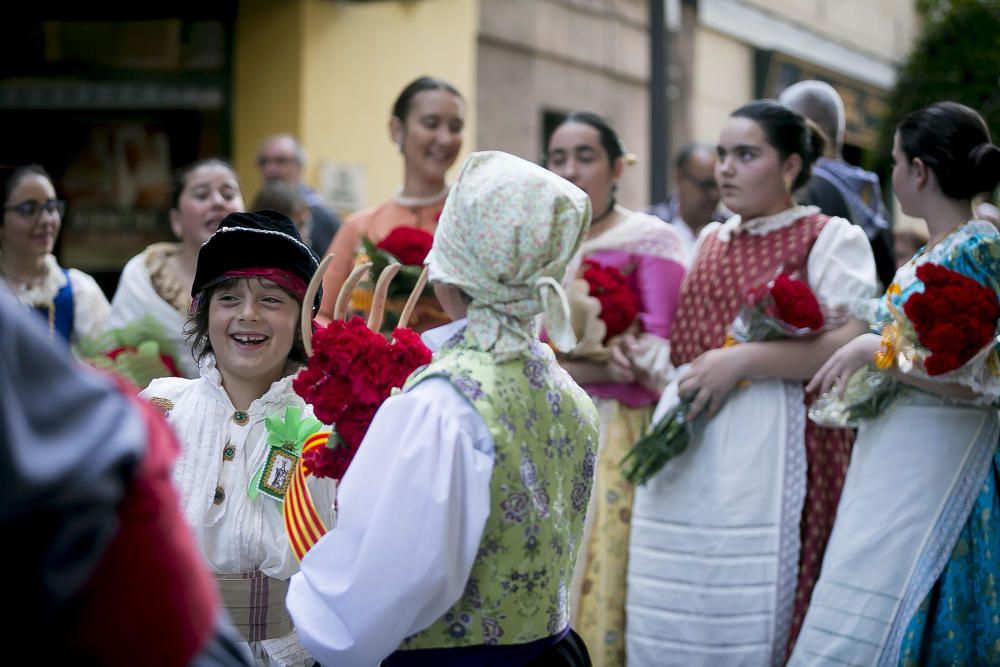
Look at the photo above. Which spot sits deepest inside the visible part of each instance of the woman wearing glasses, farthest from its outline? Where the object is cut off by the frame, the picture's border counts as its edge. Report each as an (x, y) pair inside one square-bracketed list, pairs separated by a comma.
[(68, 300)]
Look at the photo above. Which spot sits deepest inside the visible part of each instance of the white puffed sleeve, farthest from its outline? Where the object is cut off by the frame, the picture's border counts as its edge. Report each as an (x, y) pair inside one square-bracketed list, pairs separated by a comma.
[(841, 265), (90, 306)]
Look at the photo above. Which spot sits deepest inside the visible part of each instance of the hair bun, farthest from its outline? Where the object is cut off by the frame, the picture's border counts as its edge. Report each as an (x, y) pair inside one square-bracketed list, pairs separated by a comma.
[(985, 161)]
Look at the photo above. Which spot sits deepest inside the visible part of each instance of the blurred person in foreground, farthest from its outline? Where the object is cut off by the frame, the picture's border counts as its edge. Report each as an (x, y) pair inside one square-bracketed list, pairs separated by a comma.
[(105, 571)]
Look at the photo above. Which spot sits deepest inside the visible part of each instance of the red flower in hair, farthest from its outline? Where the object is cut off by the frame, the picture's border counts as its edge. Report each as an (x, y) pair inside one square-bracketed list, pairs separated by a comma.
[(955, 317), (409, 245)]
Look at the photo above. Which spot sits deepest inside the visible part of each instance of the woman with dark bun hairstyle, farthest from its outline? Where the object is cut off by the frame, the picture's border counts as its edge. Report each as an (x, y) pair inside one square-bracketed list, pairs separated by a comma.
[(727, 537), (427, 124), (910, 575)]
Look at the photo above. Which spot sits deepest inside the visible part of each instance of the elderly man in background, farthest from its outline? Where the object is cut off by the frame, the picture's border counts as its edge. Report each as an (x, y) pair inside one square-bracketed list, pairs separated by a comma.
[(837, 187), (695, 201), (282, 158)]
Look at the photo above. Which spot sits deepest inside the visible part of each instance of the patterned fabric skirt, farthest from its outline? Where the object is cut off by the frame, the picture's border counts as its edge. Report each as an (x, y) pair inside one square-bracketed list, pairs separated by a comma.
[(958, 622), (598, 596)]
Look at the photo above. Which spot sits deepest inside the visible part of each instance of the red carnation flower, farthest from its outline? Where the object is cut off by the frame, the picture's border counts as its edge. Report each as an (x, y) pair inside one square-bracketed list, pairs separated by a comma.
[(350, 374), (955, 317), (619, 305), (409, 245), (796, 304)]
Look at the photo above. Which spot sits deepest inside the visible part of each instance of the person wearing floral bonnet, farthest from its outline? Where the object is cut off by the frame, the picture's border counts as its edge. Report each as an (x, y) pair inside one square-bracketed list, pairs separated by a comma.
[(234, 464), (461, 516)]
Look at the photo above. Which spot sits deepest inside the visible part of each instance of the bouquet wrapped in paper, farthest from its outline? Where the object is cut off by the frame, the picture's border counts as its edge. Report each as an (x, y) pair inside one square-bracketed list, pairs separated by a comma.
[(785, 307), (602, 306), (140, 352), (947, 332)]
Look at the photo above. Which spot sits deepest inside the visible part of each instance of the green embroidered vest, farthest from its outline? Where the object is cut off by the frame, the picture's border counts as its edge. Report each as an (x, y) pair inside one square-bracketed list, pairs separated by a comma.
[(545, 434)]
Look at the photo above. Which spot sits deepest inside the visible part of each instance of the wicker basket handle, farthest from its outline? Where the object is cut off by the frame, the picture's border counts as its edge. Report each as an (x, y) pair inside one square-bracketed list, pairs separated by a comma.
[(411, 302), (307, 314), (377, 312), (344, 297)]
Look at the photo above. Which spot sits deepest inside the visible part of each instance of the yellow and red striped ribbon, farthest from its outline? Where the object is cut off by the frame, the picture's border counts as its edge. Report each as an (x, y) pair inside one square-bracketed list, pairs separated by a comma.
[(302, 522)]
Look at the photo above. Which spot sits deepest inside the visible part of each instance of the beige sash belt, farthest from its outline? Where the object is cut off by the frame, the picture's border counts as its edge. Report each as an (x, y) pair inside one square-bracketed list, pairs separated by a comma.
[(256, 604)]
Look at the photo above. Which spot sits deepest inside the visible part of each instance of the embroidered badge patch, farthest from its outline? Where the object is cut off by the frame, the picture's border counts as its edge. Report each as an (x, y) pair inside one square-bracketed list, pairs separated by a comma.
[(277, 473), (164, 404)]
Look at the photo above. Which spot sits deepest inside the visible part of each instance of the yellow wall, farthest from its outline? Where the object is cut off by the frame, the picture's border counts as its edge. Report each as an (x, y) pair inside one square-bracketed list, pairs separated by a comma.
[(267, 80), (345, 63), (722, 82)]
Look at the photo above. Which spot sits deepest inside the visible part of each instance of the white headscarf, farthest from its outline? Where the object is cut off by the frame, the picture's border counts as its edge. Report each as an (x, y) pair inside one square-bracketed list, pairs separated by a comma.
[(508, 230)]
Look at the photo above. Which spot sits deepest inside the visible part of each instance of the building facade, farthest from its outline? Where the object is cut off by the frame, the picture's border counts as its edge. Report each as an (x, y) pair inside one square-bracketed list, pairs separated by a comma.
[(113, 99)]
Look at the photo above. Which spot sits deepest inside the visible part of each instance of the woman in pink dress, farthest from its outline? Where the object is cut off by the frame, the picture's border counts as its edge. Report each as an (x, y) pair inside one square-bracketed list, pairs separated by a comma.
[(623, 374)]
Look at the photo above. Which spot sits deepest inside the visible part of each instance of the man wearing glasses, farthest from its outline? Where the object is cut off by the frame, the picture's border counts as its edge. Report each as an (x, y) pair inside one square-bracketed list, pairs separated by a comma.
[(282, 158), (695, 201)]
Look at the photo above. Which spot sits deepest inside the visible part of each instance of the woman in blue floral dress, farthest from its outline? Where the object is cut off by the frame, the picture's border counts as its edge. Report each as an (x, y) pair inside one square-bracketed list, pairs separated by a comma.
[(910, 574)]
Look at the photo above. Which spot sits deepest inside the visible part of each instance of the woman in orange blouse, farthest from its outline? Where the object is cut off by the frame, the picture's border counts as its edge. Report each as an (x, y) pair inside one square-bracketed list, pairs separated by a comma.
[(427, 122)]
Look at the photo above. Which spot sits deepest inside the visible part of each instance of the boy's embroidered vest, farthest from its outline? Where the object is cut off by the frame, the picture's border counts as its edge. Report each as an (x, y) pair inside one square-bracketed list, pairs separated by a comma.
[(723, 272), (545, 433)]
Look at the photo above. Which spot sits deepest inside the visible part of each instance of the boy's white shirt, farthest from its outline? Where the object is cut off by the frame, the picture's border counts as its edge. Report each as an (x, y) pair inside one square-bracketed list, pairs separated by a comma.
[(411, 513)]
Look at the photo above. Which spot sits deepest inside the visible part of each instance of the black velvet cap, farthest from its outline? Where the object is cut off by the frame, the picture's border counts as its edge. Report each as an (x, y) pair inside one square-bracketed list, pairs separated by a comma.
[(248, 240)]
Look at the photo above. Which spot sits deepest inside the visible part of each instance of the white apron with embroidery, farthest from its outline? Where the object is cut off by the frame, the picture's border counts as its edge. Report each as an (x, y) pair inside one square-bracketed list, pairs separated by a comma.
[(715, 536), (905, 501)]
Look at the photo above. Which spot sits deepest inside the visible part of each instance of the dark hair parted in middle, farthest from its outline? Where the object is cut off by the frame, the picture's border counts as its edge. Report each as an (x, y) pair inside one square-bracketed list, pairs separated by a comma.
[(18, 174), (788, 132), (179, 180), (954, 142), (401, 108), (610, 141), (196, 329)]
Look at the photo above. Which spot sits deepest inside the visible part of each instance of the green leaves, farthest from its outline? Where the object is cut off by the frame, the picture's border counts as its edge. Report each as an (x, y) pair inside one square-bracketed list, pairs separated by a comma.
[(290, 432), (665, 440)]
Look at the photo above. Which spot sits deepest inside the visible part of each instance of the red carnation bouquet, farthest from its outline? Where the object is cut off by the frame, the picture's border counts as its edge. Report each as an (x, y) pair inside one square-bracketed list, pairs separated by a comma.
[(404, 245), (785, 307), (939, 333), (351, 372), (619, 304), (954, 318), (408, 247)]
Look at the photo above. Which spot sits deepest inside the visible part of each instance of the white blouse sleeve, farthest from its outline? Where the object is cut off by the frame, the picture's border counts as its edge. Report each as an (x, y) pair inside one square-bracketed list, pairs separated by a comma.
[(126, 304), (841, 265), (90, 306), (412, 509)]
